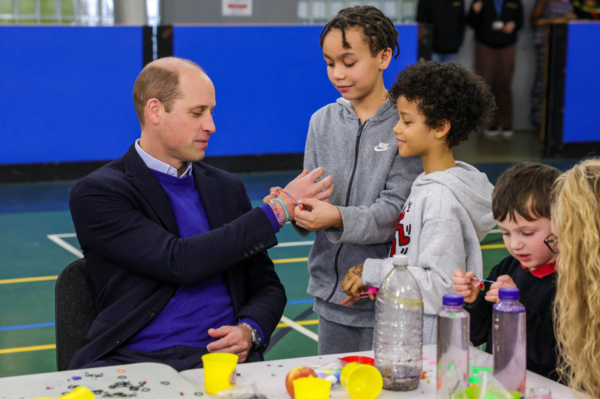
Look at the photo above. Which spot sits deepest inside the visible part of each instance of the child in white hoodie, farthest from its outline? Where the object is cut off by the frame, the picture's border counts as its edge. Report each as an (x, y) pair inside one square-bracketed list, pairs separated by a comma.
[(449, 210)]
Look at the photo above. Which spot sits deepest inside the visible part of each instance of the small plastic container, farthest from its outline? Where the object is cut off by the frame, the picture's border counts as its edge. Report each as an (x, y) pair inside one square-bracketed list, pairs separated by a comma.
[(362, 381), (357, 359), (311, 388), (219, 371)]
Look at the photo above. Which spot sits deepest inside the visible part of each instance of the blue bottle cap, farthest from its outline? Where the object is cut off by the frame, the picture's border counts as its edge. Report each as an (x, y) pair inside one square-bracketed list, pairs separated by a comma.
[(453, 300), (510, 293)]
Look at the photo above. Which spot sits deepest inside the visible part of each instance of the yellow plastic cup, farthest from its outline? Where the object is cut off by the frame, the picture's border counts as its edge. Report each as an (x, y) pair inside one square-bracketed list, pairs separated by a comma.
[(362, 381), (77, 393), (219, 371), (311, 388)]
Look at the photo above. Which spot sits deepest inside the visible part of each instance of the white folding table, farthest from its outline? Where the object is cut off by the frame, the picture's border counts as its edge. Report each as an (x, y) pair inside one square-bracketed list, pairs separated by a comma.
[(269, 376)]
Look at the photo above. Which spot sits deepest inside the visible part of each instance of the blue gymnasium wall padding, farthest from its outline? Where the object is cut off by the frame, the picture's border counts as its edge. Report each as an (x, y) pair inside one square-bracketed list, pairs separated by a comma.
[(582, 87), (269, 80), (66, 93)]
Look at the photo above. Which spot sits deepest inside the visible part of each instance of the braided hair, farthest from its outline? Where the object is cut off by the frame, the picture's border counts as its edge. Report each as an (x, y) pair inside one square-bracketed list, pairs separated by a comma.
[(379, 31)]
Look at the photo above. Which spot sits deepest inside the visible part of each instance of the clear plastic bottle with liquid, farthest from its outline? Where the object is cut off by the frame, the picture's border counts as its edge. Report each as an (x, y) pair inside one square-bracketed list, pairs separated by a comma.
[(398, 338), (510, 341), (453, 329)]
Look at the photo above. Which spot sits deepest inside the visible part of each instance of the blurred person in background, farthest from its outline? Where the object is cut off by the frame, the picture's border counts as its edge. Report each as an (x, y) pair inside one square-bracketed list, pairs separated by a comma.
[(447, 17), (544, 13), (496, 23), (586, 9)]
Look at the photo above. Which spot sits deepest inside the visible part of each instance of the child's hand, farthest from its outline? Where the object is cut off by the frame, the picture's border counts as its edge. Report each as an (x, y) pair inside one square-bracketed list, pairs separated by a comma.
[(467, 287), (353, 282), (501, 282), (318, 215)]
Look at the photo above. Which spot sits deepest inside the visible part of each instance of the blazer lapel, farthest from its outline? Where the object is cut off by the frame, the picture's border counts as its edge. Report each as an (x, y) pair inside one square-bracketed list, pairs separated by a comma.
[(209, 194), (147, 184)]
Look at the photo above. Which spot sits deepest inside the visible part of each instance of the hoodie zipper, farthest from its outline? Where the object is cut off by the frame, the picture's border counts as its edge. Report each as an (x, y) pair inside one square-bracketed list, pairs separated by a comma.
[(337, 254)]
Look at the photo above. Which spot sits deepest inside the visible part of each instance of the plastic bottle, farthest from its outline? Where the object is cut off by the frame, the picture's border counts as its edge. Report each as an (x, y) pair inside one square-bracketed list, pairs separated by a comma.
[(453, 332), (399, 329), (510, 341)]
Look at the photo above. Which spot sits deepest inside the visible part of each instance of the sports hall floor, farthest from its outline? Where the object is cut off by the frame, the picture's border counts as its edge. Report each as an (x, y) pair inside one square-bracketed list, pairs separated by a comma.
[(37, 241)]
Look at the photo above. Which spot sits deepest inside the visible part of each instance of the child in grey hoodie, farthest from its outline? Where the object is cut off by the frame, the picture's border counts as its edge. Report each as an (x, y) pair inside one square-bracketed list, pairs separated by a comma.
[(353, 140), (449, 210)]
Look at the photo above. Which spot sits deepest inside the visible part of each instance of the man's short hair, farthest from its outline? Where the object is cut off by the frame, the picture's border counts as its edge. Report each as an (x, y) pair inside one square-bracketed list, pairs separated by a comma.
[(159, 80), (524, 189)]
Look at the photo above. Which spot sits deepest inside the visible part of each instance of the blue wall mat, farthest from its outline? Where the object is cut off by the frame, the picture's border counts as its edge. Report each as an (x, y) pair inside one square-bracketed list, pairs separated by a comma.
[(66, 93), (582, 94), (269, 81)]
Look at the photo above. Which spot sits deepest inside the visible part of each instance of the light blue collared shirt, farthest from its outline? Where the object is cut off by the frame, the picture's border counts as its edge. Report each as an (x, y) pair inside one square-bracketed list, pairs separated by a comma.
[(160, 166)]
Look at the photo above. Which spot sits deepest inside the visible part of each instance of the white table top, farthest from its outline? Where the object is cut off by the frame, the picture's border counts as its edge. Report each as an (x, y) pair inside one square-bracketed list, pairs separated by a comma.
[(269, 376), (161, 382)]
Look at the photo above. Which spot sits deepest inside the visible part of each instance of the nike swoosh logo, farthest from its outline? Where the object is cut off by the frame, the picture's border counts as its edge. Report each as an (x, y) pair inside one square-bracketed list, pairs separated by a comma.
[(380, 149)]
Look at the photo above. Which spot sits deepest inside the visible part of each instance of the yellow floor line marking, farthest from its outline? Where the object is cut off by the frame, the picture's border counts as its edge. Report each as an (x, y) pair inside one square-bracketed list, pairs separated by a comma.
[(275, 261), (494, 246), (28, 280), (290, 260), (27, 349), (302, 323)]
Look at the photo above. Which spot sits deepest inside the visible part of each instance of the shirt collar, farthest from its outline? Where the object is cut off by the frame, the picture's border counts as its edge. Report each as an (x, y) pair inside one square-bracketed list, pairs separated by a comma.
[(543, 271), (160, 166)]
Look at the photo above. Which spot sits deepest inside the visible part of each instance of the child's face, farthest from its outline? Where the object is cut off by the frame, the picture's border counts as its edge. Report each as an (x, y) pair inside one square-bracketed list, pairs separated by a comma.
[(414, 136), (525, 240), (353, 71)]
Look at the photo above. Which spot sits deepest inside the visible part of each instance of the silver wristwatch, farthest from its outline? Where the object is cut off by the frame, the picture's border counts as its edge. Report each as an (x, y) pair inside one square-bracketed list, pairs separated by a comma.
[(255, 336)]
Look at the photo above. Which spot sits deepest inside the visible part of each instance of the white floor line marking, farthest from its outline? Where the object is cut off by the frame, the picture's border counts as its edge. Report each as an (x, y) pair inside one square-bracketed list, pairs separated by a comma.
[(58, 239), (299, 328), (294, 244), (495, 231)]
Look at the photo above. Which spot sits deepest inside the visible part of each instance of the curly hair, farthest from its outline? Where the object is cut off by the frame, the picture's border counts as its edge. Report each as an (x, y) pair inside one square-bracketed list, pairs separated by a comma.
[(447, 92), (576, 218), (379, 32)]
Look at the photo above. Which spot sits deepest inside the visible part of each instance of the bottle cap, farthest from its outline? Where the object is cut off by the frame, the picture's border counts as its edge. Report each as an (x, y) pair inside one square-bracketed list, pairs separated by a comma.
[(400, 260), (510, 293), (453, 300)]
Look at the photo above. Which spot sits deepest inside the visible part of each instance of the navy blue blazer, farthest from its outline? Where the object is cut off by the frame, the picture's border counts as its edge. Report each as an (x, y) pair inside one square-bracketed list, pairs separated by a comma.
[(129, 237)]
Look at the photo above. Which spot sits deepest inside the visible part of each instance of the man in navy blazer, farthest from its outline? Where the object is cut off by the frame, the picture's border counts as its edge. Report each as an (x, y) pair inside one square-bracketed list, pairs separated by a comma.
[(175, 250)]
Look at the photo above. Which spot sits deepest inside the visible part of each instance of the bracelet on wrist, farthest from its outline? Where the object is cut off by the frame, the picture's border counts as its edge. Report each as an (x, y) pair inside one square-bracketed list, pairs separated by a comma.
[(292, 198), (277, 214), (287, 215)]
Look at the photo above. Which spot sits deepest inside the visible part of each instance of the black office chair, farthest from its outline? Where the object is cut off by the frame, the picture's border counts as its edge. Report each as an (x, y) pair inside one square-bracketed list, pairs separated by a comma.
[(75, 311)]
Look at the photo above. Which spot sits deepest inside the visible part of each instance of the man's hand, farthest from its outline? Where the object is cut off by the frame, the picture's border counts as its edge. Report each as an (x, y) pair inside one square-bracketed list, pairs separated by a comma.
[(465, 286), (304, 185), (233, 339), (509, 27), (477, 6), (317, 215), (501, 282)]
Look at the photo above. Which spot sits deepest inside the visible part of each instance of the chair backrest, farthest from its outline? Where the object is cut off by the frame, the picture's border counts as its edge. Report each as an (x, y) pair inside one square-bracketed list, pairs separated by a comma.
[(75, 311)]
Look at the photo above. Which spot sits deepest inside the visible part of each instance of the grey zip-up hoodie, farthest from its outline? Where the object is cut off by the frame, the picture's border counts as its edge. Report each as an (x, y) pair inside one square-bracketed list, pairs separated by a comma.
[(446, 216), (372, 181)]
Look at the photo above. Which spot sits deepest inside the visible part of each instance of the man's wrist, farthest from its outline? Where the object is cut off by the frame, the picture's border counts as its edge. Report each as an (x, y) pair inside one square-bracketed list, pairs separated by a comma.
[(255, 339), (289, 205)]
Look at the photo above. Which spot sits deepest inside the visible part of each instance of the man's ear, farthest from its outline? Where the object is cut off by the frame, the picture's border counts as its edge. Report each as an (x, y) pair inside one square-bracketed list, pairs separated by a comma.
[(385, 57), (442, 131), (153, 111)]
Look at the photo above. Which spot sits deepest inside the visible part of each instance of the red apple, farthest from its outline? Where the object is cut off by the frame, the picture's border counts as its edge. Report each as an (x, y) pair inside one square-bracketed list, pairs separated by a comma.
[(297, 372)]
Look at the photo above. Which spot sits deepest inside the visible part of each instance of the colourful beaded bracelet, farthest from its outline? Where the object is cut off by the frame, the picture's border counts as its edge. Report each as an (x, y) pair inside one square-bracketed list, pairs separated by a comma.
[(287, 215), (277, 214), (292, 198)]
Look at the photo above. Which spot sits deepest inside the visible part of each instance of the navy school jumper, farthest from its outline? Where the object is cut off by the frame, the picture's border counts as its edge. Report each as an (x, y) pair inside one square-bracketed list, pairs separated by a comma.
[(130, 240)]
